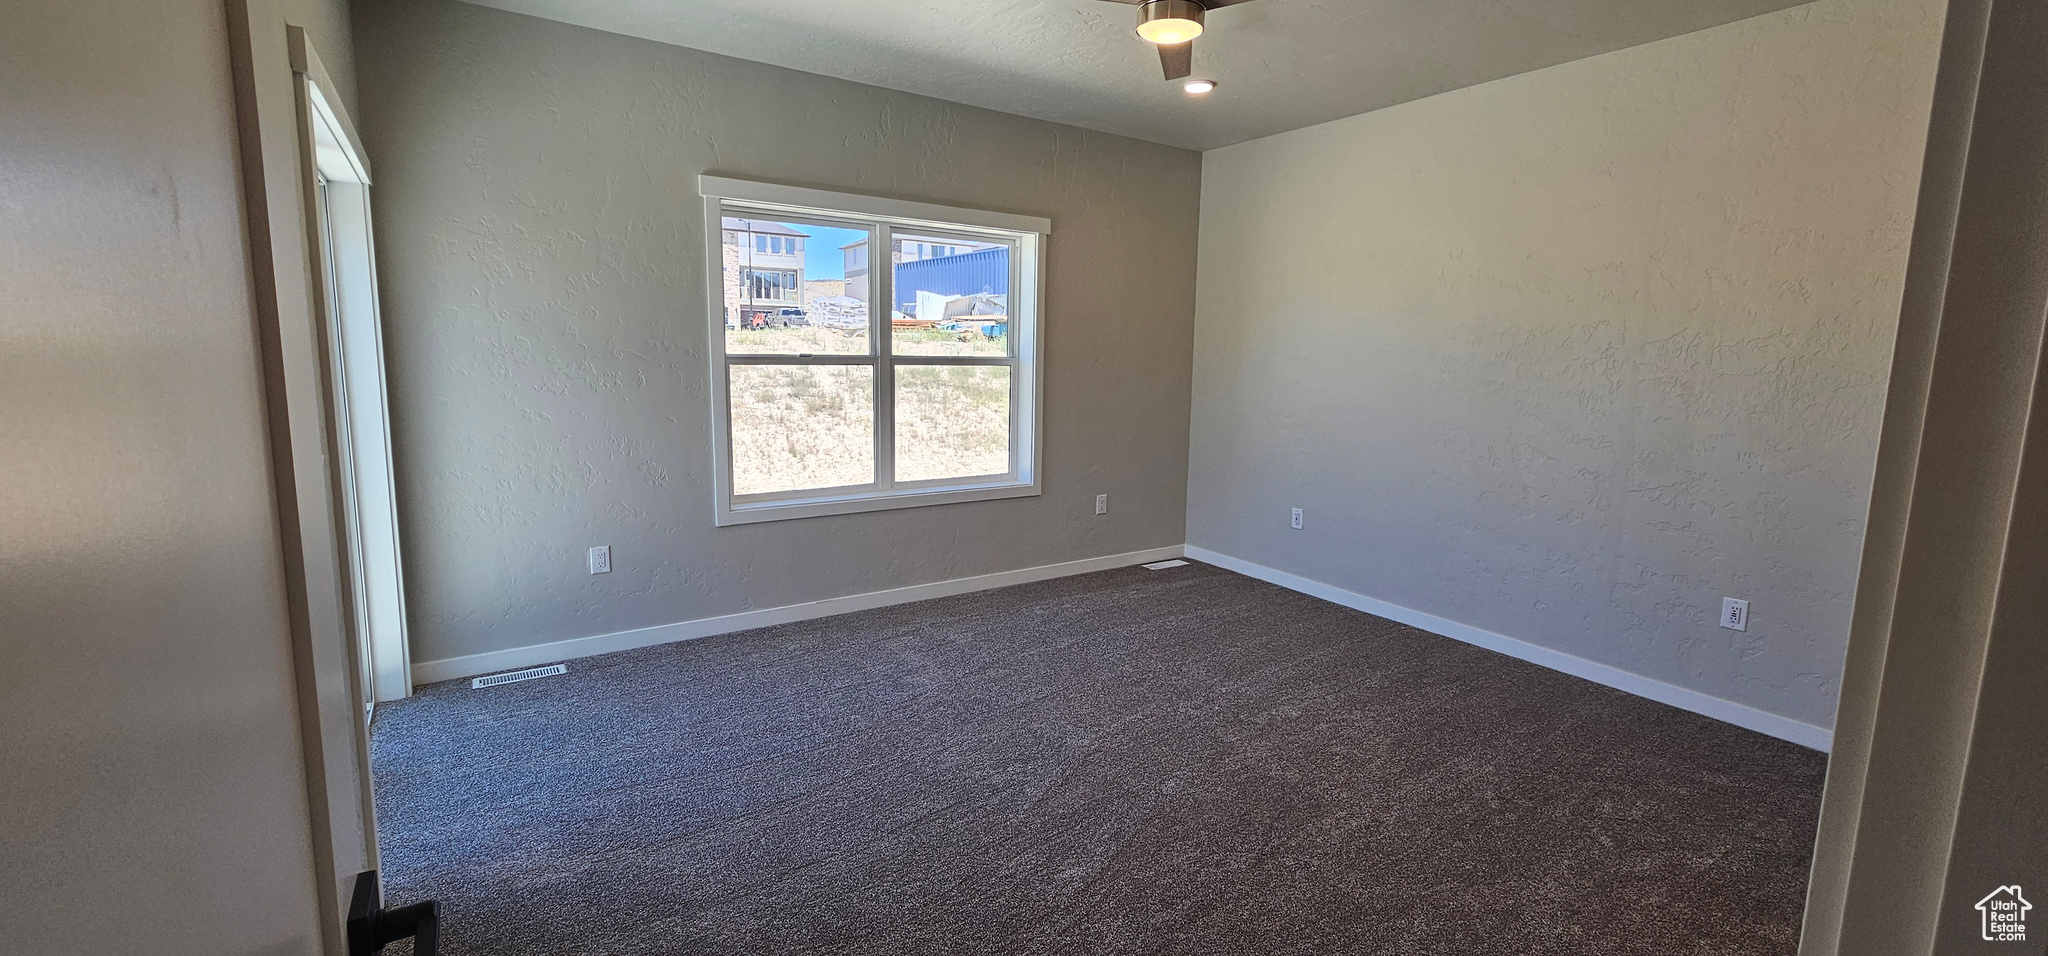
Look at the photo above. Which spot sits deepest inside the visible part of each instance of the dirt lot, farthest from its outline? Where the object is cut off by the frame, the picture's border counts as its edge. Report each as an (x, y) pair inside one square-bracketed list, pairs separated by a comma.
[(855, 342), (812, 426)]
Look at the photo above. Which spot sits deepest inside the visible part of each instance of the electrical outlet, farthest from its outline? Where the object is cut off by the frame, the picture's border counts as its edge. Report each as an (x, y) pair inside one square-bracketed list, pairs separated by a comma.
[(1102, 504), (1297, 519), (601, 559), (1735, 614)]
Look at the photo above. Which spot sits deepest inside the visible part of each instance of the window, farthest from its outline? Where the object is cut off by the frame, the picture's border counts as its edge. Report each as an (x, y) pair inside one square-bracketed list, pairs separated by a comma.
[(774, 284), (824, 406)]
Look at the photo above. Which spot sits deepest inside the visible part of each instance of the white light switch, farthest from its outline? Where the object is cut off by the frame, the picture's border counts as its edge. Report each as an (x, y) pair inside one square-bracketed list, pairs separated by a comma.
[(1102, 504), (601, 559), (1735, 614)]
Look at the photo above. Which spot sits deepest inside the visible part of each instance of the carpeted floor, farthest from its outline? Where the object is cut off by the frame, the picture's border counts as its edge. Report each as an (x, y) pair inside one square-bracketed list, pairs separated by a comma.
[(1180, 761)]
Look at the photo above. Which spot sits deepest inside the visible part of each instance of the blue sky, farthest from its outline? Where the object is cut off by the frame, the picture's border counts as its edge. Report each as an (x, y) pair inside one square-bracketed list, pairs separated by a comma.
[(821, 252)]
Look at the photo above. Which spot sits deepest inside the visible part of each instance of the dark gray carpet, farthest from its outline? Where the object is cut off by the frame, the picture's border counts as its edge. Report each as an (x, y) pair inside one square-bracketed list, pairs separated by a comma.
[(1182, 761)]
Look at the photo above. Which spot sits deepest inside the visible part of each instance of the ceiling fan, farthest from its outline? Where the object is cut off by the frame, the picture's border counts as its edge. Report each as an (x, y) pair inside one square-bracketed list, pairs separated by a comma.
[(1173, 26)]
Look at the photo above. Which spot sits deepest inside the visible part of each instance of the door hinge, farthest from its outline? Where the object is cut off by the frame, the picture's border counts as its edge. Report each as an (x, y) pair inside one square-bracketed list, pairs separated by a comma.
[(372, 927)]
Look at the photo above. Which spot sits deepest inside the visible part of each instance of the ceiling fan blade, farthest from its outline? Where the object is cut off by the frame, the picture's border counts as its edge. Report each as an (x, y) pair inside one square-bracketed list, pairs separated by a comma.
[(1177, 58)]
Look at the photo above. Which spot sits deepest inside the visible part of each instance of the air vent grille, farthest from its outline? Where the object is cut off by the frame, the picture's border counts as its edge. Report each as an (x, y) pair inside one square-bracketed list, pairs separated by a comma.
[(1163, 565), (514, 677)]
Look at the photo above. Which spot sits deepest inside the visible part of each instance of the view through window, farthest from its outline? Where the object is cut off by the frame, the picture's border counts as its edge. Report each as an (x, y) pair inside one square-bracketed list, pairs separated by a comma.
[(823, 404)]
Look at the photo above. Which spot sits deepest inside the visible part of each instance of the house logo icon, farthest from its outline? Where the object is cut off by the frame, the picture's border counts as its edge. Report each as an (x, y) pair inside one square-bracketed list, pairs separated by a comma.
[(2005, 915)]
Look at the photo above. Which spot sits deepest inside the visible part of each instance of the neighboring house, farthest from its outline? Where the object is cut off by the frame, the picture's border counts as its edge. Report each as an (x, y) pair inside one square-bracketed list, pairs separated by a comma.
[(855, 256), (764, 270), (902, 249), (2004, 913)]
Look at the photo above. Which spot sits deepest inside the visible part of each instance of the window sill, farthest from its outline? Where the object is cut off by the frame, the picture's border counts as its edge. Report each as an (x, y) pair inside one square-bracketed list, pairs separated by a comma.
[(787, 509)]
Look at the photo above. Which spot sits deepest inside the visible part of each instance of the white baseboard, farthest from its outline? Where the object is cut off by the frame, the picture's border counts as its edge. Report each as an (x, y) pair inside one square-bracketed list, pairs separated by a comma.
[(427, 672), (1741, 715)]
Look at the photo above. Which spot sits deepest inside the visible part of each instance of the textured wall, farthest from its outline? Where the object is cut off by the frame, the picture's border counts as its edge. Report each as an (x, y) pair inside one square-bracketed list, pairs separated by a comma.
[(542, 265), (1571, 355), (152, 797)]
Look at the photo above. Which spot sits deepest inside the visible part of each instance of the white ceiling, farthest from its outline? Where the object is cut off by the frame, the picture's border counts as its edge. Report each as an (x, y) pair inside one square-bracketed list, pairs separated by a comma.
[(1282, 64)]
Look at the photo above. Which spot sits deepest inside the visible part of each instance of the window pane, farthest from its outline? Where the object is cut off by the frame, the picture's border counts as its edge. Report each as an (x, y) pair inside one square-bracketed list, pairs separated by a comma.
[(784, 296), (952, 421), (952, 297), (802, 426)]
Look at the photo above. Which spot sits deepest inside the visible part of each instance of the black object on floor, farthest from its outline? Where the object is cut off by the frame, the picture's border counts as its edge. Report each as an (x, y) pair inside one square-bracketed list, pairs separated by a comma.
[(373, 926), (1179, 761)]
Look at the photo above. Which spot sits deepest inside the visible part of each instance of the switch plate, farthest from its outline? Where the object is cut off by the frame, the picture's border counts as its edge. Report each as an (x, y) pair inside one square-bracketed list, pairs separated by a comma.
[(601, 559), (1102, 504), (1735, 614), (1297, 519)]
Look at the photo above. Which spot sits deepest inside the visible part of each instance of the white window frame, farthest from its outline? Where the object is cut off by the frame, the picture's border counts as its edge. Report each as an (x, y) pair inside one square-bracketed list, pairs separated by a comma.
[(1028, 235)]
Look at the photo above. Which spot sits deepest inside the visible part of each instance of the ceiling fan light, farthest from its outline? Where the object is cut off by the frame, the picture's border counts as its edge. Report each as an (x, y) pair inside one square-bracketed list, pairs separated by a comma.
[(1168, 22)]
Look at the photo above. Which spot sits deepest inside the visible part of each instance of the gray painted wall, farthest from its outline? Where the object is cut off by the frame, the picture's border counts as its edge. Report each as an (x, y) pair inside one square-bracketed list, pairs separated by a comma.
[(1571, 355), (1934, 796), (542, 265), (152, 798)]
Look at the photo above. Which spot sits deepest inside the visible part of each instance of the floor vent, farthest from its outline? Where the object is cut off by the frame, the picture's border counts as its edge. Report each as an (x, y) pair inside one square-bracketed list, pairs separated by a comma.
[(1163, 565), (517, 676)]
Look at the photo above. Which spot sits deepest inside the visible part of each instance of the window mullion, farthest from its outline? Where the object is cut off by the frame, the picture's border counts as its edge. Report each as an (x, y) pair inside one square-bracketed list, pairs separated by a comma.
[(973, 360), (882, 286), (800, 358)]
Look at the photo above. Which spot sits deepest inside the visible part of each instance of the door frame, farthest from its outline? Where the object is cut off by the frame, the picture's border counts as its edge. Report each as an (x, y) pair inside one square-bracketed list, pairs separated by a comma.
[(359, 414), (274, 66)]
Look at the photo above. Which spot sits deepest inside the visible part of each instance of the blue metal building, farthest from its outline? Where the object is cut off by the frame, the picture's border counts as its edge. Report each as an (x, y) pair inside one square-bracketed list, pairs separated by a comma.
[(972, 273)]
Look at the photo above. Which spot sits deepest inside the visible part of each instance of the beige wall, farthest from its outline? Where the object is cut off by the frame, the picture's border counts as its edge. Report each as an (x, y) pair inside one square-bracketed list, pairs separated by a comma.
[(1571, 355), (152, 798), (1935, 790), (327, 27), (543, 264)]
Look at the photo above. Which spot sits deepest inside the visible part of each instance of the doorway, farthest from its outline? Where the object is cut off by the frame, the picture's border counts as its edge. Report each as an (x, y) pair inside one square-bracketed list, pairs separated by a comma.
[(358, 409)]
